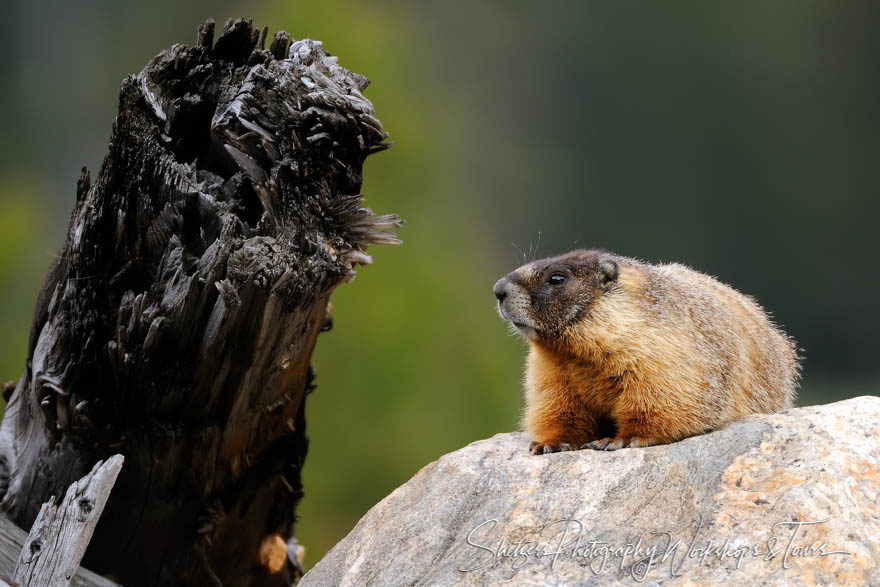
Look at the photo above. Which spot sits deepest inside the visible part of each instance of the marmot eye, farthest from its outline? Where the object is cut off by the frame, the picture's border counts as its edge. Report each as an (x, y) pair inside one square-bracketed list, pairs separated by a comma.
[(556, 279)]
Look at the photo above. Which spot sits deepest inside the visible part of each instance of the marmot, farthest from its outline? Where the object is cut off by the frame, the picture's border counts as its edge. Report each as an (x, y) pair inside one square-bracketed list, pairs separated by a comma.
[(628, 354)]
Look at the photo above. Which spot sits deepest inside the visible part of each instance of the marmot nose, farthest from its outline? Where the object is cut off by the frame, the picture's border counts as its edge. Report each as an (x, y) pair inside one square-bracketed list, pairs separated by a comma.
[(500, 289)]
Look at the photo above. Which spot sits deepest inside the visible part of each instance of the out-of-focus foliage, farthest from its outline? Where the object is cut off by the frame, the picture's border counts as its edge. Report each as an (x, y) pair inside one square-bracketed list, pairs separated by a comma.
[(737, 138), (21, 269)]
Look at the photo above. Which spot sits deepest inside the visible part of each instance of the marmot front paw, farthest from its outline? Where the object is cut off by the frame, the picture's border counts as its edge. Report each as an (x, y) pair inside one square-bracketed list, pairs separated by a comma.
[(543, 448)]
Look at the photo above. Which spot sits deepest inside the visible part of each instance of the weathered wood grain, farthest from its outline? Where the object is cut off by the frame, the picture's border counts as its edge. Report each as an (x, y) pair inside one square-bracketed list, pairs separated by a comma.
[(177, 323), (12, 540), (59, 537)]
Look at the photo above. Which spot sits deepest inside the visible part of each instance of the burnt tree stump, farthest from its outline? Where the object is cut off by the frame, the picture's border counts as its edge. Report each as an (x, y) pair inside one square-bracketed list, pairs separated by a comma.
[(177, 324)]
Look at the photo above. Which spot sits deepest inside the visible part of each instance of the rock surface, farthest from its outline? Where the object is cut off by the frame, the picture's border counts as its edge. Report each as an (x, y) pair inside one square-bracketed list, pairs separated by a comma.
[(790, 498)]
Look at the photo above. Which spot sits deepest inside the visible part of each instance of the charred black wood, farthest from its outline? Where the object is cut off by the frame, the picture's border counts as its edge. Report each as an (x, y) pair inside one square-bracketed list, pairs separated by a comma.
[(177, 324)]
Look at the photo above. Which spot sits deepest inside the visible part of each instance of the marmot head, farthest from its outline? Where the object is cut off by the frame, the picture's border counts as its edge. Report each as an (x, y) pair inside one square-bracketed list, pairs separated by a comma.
[(546, 298)]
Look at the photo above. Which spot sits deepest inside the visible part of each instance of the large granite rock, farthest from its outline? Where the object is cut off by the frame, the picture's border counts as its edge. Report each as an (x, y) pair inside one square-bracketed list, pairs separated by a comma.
[(791, 497)]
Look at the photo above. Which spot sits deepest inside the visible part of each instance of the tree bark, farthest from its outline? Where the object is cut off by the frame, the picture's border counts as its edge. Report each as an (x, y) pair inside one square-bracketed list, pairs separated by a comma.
[(177, 324)]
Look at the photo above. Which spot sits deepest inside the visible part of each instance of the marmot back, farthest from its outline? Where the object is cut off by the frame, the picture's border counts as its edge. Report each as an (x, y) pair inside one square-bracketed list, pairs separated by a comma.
[(647, 354)]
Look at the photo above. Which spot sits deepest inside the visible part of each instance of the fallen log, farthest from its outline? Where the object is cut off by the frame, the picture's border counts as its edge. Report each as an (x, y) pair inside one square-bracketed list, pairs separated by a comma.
[(12, 539), (58, 539)]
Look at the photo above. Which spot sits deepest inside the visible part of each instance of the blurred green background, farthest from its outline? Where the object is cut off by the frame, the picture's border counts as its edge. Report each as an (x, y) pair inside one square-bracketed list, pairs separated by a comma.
[(739, 138)]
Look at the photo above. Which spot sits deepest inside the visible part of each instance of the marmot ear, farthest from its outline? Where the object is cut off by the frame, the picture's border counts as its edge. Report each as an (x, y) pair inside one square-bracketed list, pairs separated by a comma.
[(608, 272)]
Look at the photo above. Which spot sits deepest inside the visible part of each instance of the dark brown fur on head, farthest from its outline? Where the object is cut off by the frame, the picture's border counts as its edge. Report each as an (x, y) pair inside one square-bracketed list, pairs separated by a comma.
[(544, 298)]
